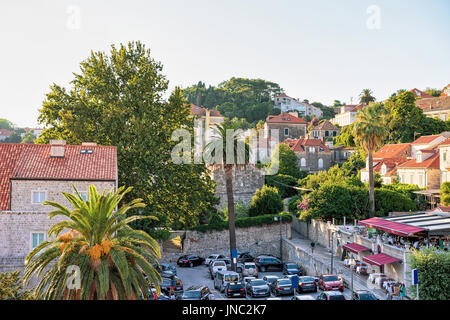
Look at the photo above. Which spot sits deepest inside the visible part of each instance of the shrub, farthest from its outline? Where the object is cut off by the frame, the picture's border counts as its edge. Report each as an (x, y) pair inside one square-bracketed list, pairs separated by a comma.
[(11, 287), (390, 201), (240, 210), (283, 183), (265, 201), (293, 203)]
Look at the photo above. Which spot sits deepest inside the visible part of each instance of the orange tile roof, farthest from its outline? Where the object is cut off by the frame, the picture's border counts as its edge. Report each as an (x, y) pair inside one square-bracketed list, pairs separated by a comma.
[(300, 144), (420, 93), (285, 117), (446, 142), (432, 163), (33, 162), (199, 111), (400, 150), (426, 139)]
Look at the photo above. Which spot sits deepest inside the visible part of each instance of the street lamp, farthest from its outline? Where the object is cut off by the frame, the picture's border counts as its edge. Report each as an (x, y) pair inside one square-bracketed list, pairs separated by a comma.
[(276, 218)]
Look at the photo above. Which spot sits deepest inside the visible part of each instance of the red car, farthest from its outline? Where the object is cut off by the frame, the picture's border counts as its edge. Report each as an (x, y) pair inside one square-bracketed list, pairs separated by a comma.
[(330, 282)]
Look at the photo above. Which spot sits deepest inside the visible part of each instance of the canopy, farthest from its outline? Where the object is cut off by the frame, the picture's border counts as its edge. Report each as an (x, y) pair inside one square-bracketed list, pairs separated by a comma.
[(397, 228), (379, 259), (354, 247)]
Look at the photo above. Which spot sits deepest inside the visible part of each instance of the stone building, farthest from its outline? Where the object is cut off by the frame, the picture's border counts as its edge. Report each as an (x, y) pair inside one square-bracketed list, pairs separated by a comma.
[(31, 174), (324, 130), (313, 155), (245, 182), (422, 171), (289, 126)]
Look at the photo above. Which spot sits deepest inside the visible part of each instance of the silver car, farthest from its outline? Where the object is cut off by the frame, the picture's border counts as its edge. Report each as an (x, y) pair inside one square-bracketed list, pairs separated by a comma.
[(250, 270)]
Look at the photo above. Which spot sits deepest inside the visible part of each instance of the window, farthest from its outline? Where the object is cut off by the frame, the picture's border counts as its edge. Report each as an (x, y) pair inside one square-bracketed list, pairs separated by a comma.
[(312, 149), (320, 163), (286, 131), (38, 196), (36, 239), (303, 162), (326, 134), (334, 133)]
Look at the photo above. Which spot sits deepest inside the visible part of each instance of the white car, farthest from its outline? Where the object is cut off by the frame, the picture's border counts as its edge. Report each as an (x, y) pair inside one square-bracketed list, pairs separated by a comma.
[(218, 265), (303, 297), (250, 269), (212, 257)]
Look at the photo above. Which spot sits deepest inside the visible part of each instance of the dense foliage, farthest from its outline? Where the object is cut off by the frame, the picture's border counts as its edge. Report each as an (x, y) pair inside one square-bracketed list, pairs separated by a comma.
[(445, 193), (433, 268), (287, 161), (11, 287), (283, 183), (117, 99), (265, 201)]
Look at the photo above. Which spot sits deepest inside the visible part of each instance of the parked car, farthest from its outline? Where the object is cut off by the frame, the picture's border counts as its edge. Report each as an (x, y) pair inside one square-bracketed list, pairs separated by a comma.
[(246, 280), (244, 257), (223, 277), (276, 298), (363, 295), (258, 287), (167, 269), (306, 284), (291, 268), (197, 293), (269, 279), (330, 282), (330, 295), (190, 260), (303, 297), (282, 286), (217, 265), (214, 256), (172, 282), (250, 269), (235, 289), (265, 263)]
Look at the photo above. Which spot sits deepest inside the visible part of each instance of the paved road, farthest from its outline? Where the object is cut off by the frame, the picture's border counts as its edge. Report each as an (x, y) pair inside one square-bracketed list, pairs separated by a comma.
[(200, 276)]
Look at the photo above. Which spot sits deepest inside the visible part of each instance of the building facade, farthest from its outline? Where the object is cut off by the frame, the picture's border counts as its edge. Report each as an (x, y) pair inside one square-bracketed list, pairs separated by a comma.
[(286, 104), (313, 155), (324, 130), (289, 126)]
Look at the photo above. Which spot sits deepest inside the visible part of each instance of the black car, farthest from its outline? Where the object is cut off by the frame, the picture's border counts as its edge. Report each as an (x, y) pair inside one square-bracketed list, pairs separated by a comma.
[(197, 293), (171, 282), (258, 287), (244, 257), (265, 263), (291, 268), (363, 295), (282, 287), (235, 289), (306, 284), (190, 260)]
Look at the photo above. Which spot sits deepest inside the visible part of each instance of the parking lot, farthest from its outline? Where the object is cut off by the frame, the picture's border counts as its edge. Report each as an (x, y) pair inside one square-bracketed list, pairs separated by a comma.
[(199, 275)]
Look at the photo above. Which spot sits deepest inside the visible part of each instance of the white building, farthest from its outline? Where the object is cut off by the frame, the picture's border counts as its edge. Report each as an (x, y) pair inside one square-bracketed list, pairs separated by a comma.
[(286, 103), (347, 115)]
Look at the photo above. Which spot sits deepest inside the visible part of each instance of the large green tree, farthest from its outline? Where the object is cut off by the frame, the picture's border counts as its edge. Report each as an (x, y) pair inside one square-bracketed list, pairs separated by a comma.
[(366, 96), (117, 99)]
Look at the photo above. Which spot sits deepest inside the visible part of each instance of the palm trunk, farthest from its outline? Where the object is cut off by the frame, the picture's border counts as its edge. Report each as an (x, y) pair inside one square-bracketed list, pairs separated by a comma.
[(229, 185), (371, 186)]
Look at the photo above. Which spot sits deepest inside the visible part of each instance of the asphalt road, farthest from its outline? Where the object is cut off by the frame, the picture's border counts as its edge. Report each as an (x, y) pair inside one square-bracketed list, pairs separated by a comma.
[(199, 275)]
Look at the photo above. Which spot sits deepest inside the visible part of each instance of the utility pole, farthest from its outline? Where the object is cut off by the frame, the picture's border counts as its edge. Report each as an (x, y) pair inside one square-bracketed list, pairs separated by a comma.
[(281, 243), (332, 249)]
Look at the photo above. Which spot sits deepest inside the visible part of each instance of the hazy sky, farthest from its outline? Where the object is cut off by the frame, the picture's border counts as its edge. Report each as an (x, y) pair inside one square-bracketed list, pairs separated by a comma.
[(316, 50)]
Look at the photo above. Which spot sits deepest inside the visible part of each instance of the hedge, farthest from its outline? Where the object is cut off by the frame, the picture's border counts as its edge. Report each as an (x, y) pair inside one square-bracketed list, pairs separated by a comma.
[(243, 222)]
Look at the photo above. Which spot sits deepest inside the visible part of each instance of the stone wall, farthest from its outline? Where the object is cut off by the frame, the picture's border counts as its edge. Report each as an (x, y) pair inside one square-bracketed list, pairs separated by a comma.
[(312, 160), (317, 231), (22, 192), (257, 240), (16, 230), (245, 183)]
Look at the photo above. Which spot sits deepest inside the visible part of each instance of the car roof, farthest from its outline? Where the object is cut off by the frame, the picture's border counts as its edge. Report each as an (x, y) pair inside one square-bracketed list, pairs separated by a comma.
[(333, 293), (249, 263)]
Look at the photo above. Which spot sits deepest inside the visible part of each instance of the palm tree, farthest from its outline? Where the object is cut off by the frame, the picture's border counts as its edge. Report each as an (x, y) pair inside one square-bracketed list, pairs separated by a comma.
[(115, 261), (228, 157), (370, 131), (366, 96)]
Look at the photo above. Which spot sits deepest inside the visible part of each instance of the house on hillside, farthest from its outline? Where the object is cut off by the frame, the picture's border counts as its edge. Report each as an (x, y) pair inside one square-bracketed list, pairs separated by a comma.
[(347, 115), (33, 173), (419, 94), (313, 155), (289, 126), (324, 130), (424, 171), (427, 142), (436, 107)]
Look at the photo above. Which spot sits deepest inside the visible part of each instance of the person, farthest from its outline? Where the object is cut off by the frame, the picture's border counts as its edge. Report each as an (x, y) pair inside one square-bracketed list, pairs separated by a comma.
[(441, 244), (402, 291), (390, 240), (389, 291), (416, 244), (172, 293)]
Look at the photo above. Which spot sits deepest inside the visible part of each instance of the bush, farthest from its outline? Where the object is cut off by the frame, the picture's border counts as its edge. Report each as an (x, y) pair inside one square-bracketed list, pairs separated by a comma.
[(390, 201), (240, 210), (11, 287), (265, 201), (159, 234), (215, 219), (282, 183), (433, 268), (293, 203)]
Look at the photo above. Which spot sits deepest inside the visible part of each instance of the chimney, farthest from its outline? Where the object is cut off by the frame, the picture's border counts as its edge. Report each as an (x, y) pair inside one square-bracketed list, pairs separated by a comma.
[(57, 148)]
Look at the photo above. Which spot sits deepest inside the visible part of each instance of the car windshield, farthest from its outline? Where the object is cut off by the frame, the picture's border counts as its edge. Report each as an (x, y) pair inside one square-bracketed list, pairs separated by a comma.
[(249, 266), (284, 282), (367, 296), (337, 297), (219, 263), (271, 279), (307, 279), (257, 283), (291, 266), (191, 294), (231, 277), (330, 278)]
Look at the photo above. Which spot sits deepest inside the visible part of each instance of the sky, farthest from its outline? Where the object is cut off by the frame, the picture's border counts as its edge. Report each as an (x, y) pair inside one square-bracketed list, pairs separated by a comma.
[(317, 50)]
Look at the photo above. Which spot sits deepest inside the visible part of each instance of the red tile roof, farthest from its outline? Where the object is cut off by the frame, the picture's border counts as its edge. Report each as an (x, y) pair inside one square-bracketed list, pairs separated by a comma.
[(285, 117), (283, 95), (446, 142), (426, 139), (431, 163), (400, 150), (420, 94), (300, 144), (33, 162), (199, 111)]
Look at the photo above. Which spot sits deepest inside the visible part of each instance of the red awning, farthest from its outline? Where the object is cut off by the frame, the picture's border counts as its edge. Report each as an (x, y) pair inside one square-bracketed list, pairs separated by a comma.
[(397, 228), (355, 248), (379, 259)]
